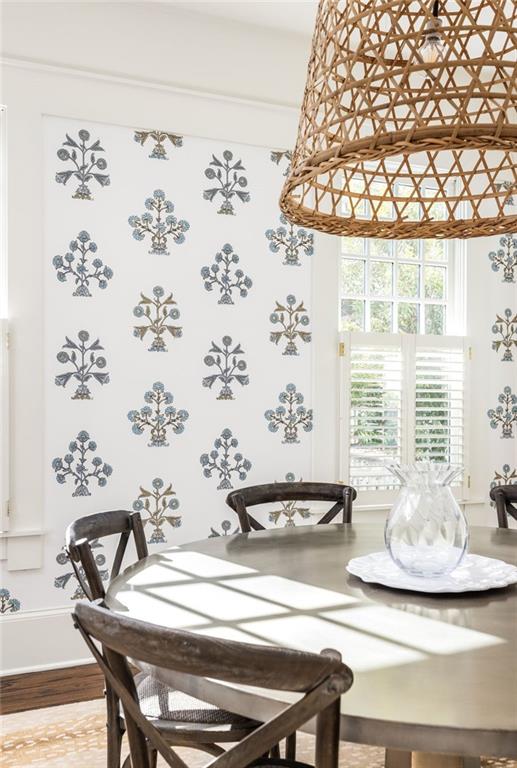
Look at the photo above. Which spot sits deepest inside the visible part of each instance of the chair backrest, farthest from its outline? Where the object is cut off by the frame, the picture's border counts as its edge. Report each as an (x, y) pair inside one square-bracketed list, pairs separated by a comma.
[(83, 532), (504, 496), (341, 495), (322, 678)]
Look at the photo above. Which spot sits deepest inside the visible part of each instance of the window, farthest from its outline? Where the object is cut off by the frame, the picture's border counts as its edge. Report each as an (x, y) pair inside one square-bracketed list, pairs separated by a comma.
[(397, 286), (404, 399), (404, 381)]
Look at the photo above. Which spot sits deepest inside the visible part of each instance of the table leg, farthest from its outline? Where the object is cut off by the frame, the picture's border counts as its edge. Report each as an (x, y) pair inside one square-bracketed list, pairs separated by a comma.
[(396, 758), (432, 760)]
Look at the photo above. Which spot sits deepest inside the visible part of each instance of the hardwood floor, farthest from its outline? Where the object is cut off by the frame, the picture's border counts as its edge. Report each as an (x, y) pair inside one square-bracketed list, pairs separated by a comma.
[(36, 690)]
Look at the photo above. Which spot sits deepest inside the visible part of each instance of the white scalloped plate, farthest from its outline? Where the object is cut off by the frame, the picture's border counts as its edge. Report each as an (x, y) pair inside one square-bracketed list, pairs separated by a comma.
[(474, 574)]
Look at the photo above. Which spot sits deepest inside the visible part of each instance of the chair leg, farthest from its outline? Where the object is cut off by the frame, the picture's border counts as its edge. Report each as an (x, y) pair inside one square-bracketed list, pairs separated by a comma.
[(153, 757), (114, 730), (290, 747), (471, 762), (395, 758), (327, 736)]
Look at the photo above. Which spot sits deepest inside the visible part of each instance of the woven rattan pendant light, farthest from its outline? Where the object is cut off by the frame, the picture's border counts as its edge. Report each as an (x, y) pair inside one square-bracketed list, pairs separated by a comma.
[(411, 106)]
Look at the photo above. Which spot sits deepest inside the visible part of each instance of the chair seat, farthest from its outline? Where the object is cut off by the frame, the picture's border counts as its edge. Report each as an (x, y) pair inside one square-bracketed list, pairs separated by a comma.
[(159, 702)]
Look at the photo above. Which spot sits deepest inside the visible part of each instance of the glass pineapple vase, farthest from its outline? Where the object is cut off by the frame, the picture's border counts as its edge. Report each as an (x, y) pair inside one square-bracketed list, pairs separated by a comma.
[(426, 532)]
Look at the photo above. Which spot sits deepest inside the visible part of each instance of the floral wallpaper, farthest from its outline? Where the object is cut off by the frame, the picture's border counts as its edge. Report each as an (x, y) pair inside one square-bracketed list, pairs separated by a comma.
[(501, 295), (174, 324)]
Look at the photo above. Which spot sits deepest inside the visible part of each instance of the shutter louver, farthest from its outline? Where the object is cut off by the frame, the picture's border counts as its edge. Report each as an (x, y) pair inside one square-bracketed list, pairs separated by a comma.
[(375, 416), (439, 404)]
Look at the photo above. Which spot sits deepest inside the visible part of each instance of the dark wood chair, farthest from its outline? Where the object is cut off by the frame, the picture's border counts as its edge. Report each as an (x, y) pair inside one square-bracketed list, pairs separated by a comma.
[(505, 497), (180, 719), (342, 497), (322, 678)]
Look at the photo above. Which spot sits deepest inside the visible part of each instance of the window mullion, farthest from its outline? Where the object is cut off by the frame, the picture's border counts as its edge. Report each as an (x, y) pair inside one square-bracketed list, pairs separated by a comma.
[(345, 406)]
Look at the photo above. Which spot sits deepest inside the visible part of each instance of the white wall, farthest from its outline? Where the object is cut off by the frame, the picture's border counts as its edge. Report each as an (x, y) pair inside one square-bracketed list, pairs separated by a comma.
[(45, 73), (124, 67)]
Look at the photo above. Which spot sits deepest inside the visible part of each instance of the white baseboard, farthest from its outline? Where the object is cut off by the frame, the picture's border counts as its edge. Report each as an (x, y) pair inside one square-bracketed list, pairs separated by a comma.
[(35, 641)]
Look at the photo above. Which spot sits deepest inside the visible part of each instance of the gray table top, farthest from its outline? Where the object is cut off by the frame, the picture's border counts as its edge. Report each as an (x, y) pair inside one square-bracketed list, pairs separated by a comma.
[(431, 673)]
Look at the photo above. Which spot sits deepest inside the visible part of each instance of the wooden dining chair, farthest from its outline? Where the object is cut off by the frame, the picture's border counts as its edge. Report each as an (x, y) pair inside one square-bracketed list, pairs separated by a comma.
[(505, 497), (320, 678), (180, 719), (342, 497)]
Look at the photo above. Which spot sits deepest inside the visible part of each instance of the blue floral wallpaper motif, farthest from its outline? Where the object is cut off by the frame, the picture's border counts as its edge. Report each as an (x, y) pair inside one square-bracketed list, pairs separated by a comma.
[(283, 159), (160, 225), (290, 241), (156, 312), (230, 184), (84, 164), (80, 468), (288, 510), (75, 263), (220, 274), (157, 416), (228, 361), (224, 462), (504, 416), (226, 530), (8, 604), (155, 506), (83, 363), (64, 580), (160, 139), (505, 258), (506, 476), (292, 318), (290, 415), (505, 330)]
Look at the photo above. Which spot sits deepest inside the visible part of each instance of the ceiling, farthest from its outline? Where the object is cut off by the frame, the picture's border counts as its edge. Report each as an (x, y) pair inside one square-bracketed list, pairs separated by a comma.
[(287, 16), (295, 16)]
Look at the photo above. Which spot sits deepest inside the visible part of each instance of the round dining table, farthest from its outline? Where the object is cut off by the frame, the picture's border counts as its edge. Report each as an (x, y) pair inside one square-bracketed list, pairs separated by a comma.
[(434, 675)]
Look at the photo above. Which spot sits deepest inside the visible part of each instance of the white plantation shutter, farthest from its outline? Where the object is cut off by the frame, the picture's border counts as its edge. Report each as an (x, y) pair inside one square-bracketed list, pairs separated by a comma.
[(439, 402), (403, 398), (374, 412)]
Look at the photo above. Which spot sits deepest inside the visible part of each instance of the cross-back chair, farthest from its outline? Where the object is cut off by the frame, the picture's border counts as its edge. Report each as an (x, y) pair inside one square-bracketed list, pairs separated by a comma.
[(505, 497), (321, 678), (180, 719), (342, 497)]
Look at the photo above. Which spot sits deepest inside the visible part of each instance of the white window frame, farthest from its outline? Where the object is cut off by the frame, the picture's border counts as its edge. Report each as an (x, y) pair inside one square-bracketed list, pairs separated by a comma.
[(408, 344), (449, 302), (455, 289)]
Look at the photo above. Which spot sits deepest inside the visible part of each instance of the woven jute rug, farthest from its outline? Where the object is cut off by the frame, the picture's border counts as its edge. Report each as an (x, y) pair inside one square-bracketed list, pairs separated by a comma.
[(74, 735)]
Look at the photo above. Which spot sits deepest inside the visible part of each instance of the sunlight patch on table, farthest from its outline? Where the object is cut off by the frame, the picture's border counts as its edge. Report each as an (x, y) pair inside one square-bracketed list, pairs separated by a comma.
[(218, 603), (360, 651), (292, 594), (429, 635), (153, 605), (206, 566), (156, 574)]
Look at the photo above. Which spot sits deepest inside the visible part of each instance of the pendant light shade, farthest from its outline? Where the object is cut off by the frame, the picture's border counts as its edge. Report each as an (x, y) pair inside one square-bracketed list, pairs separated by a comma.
[(409, 120)]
